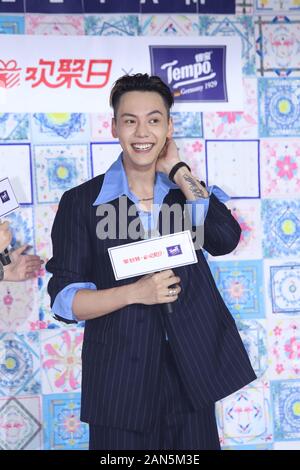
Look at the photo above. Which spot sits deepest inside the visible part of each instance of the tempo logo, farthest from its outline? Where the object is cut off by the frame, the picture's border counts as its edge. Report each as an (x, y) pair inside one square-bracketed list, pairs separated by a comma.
[(193, 73), (4, 196), (174, 250)]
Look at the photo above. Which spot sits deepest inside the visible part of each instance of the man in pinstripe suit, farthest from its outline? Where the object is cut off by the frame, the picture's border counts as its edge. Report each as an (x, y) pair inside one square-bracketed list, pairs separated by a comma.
[(149, 379)]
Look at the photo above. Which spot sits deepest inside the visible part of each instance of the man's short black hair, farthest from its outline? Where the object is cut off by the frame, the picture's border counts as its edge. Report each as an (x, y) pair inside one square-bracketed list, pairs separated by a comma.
[(140, 82)]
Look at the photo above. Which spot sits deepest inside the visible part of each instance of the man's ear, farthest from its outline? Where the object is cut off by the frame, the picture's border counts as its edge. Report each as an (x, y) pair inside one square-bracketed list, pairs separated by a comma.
[(171, 128), (113, 128)]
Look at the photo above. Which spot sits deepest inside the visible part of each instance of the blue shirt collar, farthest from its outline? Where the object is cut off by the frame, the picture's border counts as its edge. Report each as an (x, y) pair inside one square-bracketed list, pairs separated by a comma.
[(115, 184)]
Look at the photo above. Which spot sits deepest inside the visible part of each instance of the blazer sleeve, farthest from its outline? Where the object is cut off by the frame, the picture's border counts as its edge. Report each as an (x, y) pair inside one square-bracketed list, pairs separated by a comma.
[(221, 230), (71, 261)]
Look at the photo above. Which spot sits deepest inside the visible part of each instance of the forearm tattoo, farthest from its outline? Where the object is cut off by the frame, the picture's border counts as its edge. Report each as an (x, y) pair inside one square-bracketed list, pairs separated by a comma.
[(196, 189)]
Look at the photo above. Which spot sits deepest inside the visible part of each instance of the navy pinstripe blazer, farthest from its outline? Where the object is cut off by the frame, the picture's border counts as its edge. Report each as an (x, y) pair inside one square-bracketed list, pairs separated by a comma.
[(121, 355)]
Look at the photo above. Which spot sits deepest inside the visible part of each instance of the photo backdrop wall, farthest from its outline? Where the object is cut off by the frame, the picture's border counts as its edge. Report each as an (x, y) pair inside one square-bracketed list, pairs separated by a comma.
[(253, 153)]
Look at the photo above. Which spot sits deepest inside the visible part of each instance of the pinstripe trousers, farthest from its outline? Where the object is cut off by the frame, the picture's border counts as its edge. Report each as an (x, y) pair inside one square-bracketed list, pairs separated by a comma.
[(180, 426)]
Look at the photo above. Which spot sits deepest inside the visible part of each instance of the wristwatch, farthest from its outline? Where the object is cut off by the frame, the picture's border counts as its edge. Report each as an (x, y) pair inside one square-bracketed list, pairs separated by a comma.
[(1, 272), (175, 168)]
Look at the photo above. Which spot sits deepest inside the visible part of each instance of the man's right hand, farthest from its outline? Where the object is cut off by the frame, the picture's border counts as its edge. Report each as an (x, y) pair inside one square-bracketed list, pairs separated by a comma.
[(157, 288), (5, 235)]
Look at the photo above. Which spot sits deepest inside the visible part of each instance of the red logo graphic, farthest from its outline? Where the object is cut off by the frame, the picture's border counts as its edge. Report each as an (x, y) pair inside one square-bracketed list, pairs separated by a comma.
[(9, 74), (93, 73)]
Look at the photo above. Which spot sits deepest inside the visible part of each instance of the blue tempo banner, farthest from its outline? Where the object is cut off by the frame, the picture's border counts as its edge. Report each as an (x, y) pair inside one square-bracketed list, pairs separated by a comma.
[(118, 6), (48, 6), (160, 6), (18, 6), (217, 6)]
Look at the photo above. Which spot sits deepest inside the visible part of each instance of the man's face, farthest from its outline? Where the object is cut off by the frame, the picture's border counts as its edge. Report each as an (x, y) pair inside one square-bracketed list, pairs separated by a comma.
[(142, 126)]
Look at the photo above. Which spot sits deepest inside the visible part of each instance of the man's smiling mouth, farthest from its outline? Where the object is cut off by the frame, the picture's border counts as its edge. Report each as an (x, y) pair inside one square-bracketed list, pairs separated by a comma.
[(142, 147)]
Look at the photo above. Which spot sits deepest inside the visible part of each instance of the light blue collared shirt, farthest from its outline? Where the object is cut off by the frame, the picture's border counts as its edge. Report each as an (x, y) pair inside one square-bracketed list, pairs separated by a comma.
[(115, 185)]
